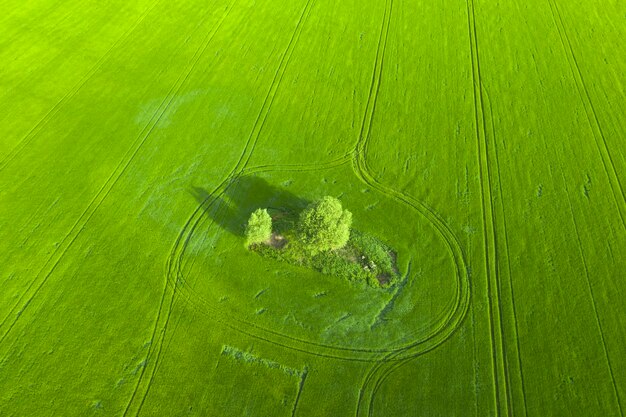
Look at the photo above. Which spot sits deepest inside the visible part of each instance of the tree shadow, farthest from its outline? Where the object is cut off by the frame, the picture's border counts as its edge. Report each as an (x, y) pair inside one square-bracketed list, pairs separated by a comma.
[(242, 196)]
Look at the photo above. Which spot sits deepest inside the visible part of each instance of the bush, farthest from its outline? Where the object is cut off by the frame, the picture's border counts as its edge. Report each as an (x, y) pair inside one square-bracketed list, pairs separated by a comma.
[(259, 228), (324, 225), (375, 251)]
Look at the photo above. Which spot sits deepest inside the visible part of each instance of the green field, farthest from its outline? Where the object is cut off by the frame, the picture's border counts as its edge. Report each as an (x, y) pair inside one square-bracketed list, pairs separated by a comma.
[(481, 140)]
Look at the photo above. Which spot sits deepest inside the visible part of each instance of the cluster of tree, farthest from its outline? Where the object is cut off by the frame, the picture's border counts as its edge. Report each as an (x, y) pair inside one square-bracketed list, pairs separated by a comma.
[(323, 225)]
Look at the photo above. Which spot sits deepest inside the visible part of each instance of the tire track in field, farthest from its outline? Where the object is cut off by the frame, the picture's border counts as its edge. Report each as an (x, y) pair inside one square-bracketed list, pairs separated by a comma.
[(388, 364), (393, 361), (343, 159), (370, 107), (259, 122), (502, 392), (169, 296), (508, 271), (592, 298), (592, 116), (305, 373), (608, 165), (174, 261), (165, 299), (278, 168), (178, 283), (41, 278), (32, 133)]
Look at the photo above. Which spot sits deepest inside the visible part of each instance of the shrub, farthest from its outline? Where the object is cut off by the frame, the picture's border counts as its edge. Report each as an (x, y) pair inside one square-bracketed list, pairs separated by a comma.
[(374, 250), (324, 225), (259, 227)]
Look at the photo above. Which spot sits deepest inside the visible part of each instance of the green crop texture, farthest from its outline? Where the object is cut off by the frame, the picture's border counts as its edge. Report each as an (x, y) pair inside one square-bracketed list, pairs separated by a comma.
[(482, 140)]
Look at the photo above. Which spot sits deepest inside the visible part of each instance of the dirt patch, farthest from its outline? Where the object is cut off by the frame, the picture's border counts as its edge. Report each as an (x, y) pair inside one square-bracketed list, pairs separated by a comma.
[(394, 262), (277, 241), (383, 279)]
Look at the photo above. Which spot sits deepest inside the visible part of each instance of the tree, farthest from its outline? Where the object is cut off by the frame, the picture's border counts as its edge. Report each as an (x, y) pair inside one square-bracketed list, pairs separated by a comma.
[(259, 227), (324, 225)]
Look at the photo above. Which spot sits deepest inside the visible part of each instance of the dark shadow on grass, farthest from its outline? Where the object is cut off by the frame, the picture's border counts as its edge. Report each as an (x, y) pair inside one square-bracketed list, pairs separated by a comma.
[(242, 196)]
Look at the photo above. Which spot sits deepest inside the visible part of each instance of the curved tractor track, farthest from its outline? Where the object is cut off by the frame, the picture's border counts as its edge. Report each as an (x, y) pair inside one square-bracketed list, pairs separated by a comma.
[(142, 387), (385, 361)]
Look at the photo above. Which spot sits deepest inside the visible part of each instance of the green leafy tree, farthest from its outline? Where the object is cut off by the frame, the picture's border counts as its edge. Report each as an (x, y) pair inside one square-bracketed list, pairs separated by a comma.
[(324, 225), (259, 227)]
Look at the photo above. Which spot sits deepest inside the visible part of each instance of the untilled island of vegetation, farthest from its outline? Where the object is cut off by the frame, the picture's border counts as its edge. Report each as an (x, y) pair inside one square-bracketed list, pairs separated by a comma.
[(320, 237)]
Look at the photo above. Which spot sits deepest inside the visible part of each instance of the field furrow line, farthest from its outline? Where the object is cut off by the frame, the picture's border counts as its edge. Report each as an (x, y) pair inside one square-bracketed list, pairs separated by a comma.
[(294, 409), (381, 380), (344, 159), (41, 278), (160, 338), (386, 365), (592, 116), (174, 263), (508, 271), (368, 387), (372, 97), (261, 118), (176, 281), (499, 369), (32, 133), (154, 340), (164, 314), (593, 300)]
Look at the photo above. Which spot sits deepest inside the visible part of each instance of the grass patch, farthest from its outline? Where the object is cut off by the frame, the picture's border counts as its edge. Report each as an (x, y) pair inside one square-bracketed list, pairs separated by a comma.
[(247, 357)]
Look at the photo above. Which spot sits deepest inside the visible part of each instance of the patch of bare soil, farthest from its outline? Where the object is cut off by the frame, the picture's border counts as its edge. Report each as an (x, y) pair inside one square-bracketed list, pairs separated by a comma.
[(394, 261), (383, 279), (277, 241)]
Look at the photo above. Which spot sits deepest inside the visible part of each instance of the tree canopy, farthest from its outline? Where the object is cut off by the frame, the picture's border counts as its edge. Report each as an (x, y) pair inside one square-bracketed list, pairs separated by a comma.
[(324, 225), (259, 227)]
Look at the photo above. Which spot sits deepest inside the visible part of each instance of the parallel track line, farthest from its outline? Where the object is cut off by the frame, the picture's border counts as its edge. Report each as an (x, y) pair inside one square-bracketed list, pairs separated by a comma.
[(592, 116), (499, 369), (593, 300)]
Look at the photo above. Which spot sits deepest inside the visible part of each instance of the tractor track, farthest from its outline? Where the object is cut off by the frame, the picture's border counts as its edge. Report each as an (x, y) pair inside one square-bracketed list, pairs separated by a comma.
[(508, 271), (593, 300), (592, 116), (502, 390), (181, 285), (609, 168), (393, 361), (41, 278), (174, 261)]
